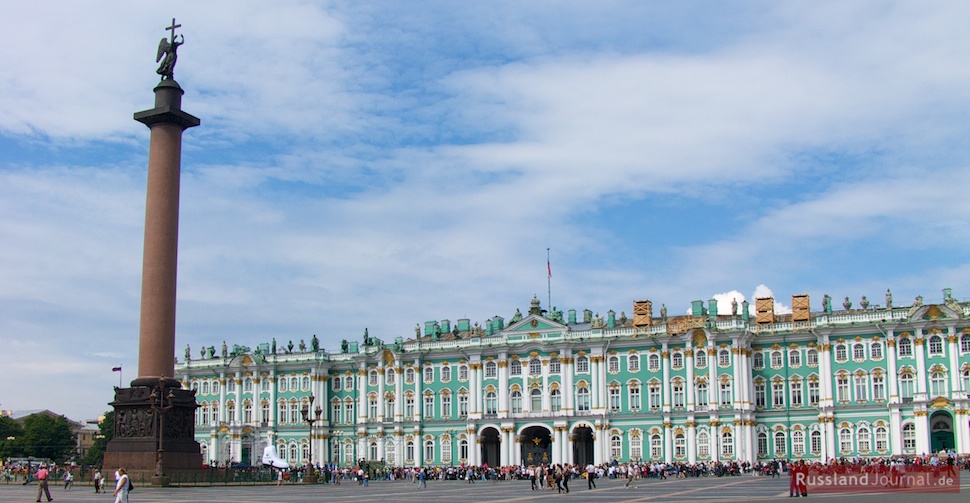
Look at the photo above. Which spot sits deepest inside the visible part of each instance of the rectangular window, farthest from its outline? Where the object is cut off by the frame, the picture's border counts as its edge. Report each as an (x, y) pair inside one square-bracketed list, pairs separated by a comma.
[(446, 406), (861, 388), (778, 394), (796, 394), (678, 392), (463, 406), (878, 387), (813, 397), (428, 407), (614, 399), (655, 397), (635, 398), (759, 395), (842, 389), (725, 394)]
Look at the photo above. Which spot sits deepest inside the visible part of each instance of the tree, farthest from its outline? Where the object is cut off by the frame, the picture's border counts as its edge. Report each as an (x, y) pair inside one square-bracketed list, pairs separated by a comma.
[(95, 454), (11, 436), (48, 437)]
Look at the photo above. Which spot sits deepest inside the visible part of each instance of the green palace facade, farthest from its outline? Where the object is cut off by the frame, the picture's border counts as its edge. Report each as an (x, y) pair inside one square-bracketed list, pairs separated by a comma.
[(742, 385)]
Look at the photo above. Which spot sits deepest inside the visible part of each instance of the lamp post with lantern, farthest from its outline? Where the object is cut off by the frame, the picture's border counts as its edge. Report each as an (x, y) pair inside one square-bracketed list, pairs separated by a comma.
[(311, 418)]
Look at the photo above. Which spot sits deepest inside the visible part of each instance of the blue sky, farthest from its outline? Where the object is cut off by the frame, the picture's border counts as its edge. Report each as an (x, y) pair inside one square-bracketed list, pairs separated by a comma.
[(385, 164)]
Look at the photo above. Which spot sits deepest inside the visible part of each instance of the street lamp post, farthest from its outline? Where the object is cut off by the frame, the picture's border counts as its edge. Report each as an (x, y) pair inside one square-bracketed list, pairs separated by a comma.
[(311, 476), (161, 404)]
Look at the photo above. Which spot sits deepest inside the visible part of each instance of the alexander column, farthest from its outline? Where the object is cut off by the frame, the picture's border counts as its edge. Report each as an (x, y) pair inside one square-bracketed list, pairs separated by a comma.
[(155, 418)]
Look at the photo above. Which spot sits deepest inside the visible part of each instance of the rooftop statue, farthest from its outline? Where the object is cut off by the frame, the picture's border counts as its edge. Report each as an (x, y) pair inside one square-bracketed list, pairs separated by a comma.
[(167, 52)]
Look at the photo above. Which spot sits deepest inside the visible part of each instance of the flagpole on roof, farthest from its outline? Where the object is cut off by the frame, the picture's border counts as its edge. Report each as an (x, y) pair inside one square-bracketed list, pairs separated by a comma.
[(548, 282)]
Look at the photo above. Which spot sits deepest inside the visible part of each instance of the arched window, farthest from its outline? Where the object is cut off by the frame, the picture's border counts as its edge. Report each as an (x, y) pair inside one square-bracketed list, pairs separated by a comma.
[(582, 399), (680, 446), (491, 403), (336, 383), (776, 361), (938, 385), (535, 404), (215, 387), (794, 358), (864, 439), (582, 365), (703, 396), (372, 377), (841, 353), (633, 363), (909, 438), (653, 362), (762, 444), (700, 359), (781, 447), (463, 449), (656, 447), (965, 343), (758, 361), (429, 451), (906, 385), (811, 357), (284, 385), (616, 447), (554, 365), (429, 374), (294, 383), (723, 358), (205, 387), (515, 368), (409, 375), (798, 443), (555, 400), (935, 345), (703, 445), (535, 367), (409, 452), (373, 450), (445, 373), (875, 350), (463, 373), (676, 360), (491, 369), (905, 347), (858, 352), (389, 376), (516, 402), (845, 440), (613, 364), (304, 453), (727, 444), (816, 441), (882, 439)]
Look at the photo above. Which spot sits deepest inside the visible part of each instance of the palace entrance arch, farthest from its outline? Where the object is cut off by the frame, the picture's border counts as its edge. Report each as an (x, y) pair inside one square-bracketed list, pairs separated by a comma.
[(536, 442), (582, 438), (941, 431), (491, 447)]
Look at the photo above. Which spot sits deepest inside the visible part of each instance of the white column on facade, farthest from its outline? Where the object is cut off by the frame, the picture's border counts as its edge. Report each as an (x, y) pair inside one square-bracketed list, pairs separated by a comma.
[(712, 359), (668, 440), (380, 399), (600, 445), (825, 373), (829, 437), (399, 446), (380, 447), (503, 386), (398, 402), (893, 376), (956, 381), (691, 441), (922, 421), (921, 376), (545, 386), (715, 440), (418, 404), (689, 354), (223, 382), (666, 386), (418, 448), (237, 416), (895, 431), (568, 393), (961, 436), (735, 379), (361, 395), (594, 363), (515, 449), (274, 409), (506, 440)]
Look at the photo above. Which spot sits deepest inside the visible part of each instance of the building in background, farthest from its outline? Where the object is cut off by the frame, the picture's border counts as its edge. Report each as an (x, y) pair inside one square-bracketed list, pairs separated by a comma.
[(723, 383)]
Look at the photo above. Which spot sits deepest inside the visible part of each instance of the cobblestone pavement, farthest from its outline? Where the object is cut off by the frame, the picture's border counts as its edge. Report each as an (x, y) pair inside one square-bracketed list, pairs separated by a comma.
[(705, 489)]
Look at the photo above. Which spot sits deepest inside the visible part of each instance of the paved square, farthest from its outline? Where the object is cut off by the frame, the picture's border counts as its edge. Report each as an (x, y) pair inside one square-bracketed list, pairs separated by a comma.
[(704, 489)]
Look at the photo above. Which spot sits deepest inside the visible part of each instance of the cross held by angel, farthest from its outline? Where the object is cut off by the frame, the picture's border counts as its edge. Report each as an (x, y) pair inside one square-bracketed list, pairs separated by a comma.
[(167, 52)]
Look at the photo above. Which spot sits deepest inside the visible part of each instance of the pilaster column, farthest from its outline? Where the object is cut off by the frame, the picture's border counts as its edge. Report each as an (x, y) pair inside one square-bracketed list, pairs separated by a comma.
[(381, 378), (666, 386), (418, 399), (893, 376), (503, 387), (668, 441), (920, 370), (689, 354), (361, 395), (691, 441)]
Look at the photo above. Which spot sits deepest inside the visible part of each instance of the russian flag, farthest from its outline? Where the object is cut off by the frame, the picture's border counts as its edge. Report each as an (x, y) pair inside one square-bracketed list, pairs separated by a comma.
[(116, 369)]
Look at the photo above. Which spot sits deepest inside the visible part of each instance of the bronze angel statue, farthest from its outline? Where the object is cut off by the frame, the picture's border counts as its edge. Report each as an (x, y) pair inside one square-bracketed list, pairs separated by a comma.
[(167, 54)]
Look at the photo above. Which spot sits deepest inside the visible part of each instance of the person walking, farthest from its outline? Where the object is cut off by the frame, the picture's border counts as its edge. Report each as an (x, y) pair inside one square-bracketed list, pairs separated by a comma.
[(121, 486), (68, 480), (97, 480), (590, 476), (42, 488)]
